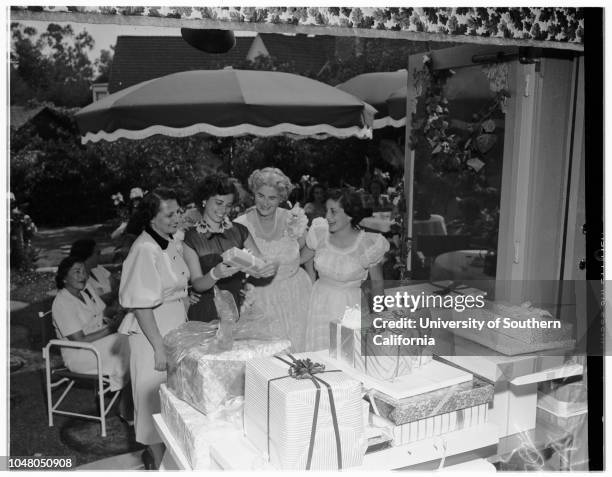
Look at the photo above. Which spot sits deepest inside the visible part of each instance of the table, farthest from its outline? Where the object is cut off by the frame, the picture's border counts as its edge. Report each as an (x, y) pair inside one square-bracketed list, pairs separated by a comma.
[(435, 225), (462, 447)]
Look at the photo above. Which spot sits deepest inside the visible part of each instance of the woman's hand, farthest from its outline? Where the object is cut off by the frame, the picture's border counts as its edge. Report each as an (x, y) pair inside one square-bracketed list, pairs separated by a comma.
[(160, 359), (267, 270), (194, 297), (223, 270)]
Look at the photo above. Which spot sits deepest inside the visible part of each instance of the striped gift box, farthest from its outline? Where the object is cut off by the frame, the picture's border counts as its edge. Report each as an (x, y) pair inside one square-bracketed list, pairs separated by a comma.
[(436, 425), (296, 421), (194, 431)]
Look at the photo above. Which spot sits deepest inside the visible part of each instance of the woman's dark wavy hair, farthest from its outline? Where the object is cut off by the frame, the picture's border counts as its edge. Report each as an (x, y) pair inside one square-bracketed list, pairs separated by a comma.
[(63, 268), (214, 184), (83, 249), (380, 184), (352, 204), (149, 207), (312, 189)]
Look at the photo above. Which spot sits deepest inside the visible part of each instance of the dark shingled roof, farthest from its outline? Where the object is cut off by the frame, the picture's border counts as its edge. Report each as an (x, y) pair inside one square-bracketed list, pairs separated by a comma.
[(141, 58), (308, 53)]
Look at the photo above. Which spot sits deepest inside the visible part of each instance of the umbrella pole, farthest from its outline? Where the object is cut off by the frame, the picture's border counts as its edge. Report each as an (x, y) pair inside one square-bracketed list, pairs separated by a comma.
[(409, 157)]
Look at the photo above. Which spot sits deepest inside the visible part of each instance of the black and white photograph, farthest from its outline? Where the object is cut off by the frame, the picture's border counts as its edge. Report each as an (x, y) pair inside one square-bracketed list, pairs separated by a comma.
[(308, 238)]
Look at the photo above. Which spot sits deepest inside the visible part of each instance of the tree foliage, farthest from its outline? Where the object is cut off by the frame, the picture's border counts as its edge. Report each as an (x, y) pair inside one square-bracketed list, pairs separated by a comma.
[(53, 66), (65, 182)]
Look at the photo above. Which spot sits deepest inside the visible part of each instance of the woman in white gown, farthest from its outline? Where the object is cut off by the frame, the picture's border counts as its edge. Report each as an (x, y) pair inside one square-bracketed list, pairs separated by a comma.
[(279, 234), (343, 256)]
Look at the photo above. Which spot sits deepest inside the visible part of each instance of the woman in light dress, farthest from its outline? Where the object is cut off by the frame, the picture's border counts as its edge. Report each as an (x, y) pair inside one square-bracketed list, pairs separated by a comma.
[(279, 235), (343, 256), (154, 287), (79, 314)]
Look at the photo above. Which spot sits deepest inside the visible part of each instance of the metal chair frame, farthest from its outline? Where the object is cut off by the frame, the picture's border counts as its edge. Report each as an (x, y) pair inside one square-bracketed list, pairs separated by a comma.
[(69, 379)]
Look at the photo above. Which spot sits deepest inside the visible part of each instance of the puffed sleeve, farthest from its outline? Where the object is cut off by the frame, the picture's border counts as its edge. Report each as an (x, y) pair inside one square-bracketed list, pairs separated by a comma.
[(375, 247), (65, 316), (190, 238), (317, 233), (242, 233), (141, 285)]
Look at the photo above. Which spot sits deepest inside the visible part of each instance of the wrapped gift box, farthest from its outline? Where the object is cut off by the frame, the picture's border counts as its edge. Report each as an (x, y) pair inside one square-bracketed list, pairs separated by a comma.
[(435, 425), (294, 421), (205, 376), (194, 431), (516, 340), (426, 405), (354, 346), (244, 260)]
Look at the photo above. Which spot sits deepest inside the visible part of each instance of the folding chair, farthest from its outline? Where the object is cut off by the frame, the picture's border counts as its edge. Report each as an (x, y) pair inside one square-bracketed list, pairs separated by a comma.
[(68, 379)]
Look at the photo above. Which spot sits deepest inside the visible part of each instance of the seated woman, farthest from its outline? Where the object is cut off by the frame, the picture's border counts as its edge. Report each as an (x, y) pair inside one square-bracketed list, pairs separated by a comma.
[(79, 315), (99, 278)]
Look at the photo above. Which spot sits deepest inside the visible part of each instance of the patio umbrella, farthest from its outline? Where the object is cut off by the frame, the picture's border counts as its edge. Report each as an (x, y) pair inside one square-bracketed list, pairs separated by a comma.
[(396, 104), (374, 89), (226, 103)]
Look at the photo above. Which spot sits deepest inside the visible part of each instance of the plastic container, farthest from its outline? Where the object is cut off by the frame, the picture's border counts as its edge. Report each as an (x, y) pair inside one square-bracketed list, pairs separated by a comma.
[(565, 406)]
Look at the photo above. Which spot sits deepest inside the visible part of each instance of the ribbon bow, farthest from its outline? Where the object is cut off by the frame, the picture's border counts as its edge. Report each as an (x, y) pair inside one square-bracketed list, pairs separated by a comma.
[(305, 368), (452, 287)]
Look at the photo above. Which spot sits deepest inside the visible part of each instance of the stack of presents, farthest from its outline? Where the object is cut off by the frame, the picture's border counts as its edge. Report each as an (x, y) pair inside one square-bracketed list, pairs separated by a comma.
[(256, 406)]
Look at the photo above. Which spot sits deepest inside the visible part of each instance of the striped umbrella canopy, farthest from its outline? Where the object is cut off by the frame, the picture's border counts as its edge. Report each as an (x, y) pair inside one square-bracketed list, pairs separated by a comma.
[(227, 103), (374, 89)]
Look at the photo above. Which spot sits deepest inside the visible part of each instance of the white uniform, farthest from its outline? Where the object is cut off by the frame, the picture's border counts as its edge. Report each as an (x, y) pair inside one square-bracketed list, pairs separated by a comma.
[(71, 315), (154, 276)]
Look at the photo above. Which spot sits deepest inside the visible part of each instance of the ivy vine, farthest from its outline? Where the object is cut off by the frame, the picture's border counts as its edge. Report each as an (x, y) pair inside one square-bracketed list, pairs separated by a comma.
[(455, 158)]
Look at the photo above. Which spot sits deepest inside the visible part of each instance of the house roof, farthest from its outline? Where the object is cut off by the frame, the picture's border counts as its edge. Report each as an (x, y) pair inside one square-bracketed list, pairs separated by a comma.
[(308, 53), (141, 58), (22, 114)]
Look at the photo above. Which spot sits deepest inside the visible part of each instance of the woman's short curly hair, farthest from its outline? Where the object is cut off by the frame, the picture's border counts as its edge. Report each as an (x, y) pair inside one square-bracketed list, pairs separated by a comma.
[(149, 207), (352, 204), (214, 184), (83, 248), (63, 268), (273, 177)]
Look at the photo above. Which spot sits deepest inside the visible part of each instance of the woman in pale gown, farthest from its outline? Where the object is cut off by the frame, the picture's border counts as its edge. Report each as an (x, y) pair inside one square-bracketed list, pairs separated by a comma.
[(279, 235), (343, 256)]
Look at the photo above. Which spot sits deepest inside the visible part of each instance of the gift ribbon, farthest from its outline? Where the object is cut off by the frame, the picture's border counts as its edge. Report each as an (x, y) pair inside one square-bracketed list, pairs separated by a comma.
[(450, 288), (307, 369)]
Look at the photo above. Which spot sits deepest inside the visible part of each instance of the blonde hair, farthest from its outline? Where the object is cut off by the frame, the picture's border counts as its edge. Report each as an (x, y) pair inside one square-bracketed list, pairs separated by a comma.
[(273, 177)]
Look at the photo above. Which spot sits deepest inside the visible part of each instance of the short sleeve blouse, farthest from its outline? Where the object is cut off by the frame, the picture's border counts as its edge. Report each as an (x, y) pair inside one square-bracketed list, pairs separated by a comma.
[(345, 265), (71, 315), (152, 275), (216, 243)]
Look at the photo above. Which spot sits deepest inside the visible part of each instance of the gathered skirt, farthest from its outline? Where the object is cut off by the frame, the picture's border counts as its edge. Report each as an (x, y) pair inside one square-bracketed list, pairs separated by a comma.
[(327, 303), (284, 303)]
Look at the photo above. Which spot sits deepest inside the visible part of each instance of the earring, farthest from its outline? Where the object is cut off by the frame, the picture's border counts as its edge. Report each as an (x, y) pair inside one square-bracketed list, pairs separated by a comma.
[(204, 203)]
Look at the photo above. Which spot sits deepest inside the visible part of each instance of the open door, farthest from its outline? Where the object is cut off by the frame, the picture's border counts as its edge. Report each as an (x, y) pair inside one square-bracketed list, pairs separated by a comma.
[(534, 159)]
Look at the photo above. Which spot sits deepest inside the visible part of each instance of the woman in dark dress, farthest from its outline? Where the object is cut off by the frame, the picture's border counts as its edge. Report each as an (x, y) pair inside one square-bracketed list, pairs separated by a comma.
[(208, 239)]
